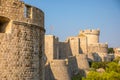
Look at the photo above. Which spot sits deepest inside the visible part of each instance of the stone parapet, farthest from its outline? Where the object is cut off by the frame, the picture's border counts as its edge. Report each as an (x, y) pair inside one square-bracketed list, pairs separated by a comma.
[(19, 11)]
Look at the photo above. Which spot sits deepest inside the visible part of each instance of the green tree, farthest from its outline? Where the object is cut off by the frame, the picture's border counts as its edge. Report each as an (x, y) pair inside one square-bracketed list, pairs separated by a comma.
[(102, 76), (97, 65), (77, 77), (113, 66), (112, 71), (110, 50)]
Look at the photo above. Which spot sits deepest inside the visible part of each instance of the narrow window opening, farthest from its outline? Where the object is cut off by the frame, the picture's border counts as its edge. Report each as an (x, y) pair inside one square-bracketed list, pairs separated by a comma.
[(4, 25), (27, 11)]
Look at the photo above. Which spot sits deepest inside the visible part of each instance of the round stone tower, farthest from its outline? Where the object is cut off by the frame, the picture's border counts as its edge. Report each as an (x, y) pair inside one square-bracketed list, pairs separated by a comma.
[(21, 41), (92, 35)]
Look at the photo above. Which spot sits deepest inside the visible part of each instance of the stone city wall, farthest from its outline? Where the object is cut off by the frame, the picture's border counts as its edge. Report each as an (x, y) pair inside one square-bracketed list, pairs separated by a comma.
[(74, 45), (82, 59), (48, 72), (63, 50), (83, 44), (51, 47), (78, 50), (73, 66), (60, 69), (99, 48)]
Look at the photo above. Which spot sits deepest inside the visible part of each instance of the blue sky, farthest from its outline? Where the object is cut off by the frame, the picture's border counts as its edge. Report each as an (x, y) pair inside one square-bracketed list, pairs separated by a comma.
[(67, 17)]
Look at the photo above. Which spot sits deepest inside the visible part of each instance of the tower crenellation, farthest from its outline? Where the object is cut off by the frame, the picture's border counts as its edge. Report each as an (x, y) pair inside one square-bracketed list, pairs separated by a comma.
[(90, 31), (92, 35)]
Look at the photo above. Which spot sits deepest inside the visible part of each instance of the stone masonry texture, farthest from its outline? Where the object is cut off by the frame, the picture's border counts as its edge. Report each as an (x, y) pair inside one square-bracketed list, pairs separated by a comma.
[(21, 41)]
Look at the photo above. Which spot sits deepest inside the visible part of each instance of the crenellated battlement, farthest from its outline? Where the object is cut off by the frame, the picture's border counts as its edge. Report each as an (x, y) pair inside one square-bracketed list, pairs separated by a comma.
[(90, 31), (17, 10)]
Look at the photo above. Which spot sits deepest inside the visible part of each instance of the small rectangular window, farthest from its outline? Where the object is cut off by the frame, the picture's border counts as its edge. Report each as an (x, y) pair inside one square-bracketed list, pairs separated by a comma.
[(27, 11)]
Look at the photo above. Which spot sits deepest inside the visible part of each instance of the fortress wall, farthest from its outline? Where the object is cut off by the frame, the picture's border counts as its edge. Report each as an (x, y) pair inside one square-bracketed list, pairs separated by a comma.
[(92, 39), (82, 62), (91, 57), (63, 50), (103, 56), (94, 57), (49, 47), (99, 51), (74, 45), (22, 44), (60, 69), (56, 48), (73, 66), (101, 48), (98, 57), (48, 72), (83, 44)]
